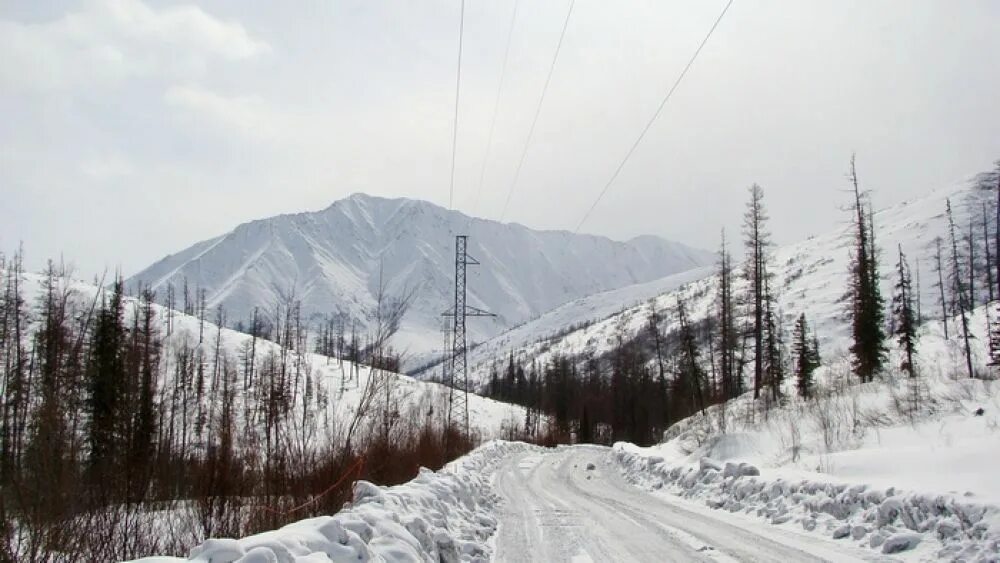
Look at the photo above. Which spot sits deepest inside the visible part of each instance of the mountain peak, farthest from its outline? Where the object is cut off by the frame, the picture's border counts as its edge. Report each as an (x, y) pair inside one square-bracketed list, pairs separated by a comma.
[(331, 261)]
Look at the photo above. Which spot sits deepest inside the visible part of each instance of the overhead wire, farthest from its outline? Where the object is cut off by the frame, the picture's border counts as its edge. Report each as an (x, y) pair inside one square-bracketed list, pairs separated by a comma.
[(458, 84), (496, 108), (656, 114), (538, 110)]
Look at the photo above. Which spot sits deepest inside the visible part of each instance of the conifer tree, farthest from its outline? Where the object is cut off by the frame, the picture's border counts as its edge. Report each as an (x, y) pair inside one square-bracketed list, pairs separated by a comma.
[(960, 297), (866, 306), (757, 242), (691, 376), (939, 268), (988, 252), (806, 350), (774, 368), (106, 388), (727, 325), (904, 315)]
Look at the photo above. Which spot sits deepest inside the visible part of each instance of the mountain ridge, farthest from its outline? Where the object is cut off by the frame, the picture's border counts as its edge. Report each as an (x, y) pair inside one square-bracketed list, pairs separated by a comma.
[(332, 261)]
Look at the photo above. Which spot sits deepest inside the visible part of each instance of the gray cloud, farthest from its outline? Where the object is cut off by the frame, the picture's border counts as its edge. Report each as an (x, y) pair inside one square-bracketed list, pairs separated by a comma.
[(138, 127)]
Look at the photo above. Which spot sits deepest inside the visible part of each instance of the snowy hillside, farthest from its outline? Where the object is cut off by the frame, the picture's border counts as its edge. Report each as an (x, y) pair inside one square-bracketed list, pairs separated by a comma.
[(567, 318), (897, 465), (331, 260), (340, 381), (811, 277)]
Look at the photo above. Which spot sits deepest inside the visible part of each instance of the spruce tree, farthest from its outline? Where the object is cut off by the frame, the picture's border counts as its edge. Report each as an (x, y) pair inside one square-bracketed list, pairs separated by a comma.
[(806, 351), (106, 389), (866, 306), (904, 316), (774, 368)]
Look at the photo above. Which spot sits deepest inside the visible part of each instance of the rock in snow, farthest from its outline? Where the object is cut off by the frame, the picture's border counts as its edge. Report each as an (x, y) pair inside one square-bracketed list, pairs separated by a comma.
[(901, 541)]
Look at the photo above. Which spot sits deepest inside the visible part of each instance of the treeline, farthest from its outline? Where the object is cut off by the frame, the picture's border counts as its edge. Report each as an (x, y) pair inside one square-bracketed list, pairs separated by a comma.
[(129, 430), (676, 367)]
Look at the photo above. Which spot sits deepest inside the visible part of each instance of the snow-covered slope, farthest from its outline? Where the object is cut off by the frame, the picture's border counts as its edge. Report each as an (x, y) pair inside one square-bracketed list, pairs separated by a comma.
[(810, 276), (567, 319), (342, 384), (331, 260), (899, 464)]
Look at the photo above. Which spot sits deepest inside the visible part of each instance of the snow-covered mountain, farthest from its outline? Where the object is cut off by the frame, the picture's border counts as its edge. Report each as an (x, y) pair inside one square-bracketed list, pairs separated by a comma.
[(811, 277), (331, 260)]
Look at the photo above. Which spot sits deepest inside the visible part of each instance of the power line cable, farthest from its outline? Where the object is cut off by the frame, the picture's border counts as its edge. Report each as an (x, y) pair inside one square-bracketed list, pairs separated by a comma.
[(538, 110), (496, 108), (458, 84), (649, 124)]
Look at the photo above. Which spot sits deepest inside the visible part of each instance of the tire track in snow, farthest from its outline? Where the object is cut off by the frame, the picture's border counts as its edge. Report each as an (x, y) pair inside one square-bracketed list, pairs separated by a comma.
[(557, 510)]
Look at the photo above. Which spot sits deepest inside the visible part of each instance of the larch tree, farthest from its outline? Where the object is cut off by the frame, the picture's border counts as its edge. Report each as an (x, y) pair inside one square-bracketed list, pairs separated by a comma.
[(727, 325), (987, 254), (940, 285), (757, 242), (960, 296), (691, 376)]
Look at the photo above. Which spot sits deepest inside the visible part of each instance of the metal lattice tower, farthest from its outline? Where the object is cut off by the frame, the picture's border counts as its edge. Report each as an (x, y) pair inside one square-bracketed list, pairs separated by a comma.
[(446, 351), (458, 376)]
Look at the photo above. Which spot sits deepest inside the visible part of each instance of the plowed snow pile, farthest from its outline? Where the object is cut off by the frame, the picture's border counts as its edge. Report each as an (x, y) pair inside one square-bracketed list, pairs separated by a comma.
[(439, 516), (859, 466)]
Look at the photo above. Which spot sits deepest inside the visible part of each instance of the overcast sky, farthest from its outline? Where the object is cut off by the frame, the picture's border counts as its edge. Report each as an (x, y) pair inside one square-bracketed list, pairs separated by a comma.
[(133, 128)]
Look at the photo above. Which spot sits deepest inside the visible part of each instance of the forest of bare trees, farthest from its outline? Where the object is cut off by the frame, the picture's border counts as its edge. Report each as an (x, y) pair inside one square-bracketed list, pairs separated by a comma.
[(128, 429)]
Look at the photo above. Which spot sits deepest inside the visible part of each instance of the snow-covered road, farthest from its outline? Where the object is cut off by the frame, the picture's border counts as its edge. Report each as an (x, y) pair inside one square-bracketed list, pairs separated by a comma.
[(556, 509)]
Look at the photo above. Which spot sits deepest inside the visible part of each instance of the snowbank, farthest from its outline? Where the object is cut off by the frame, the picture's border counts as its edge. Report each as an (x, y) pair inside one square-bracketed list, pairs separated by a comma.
[(438, 516), (886, 520)]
